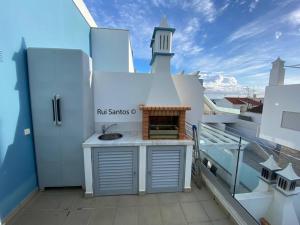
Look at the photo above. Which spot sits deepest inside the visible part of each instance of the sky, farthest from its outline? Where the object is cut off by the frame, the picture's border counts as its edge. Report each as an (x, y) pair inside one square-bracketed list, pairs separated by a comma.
[(232, 43)]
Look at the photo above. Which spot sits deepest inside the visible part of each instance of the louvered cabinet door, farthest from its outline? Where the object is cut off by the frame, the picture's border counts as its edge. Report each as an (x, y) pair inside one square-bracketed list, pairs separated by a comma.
[(115, 170), (165, 167)]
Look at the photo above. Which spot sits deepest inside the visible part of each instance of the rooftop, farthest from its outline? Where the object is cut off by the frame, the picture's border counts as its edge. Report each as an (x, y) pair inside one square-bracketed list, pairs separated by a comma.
[(242, 101), (68, 207)]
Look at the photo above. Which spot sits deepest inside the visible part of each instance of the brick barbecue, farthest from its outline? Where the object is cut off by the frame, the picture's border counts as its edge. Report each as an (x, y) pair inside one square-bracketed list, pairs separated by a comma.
[(163, 122)]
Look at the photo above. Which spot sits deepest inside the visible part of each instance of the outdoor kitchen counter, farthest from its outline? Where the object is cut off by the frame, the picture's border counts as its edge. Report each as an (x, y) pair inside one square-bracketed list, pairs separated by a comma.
[(130, 139), (134, 139)]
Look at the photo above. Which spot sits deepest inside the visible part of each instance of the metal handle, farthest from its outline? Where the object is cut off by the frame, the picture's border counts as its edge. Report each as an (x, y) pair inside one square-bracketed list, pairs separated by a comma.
[(58, 109), (53, 110)]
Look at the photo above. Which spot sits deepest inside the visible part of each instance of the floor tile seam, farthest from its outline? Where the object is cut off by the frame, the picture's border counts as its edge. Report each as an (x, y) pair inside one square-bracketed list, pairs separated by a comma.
[(208, 214), (185, 217), (205, 212)]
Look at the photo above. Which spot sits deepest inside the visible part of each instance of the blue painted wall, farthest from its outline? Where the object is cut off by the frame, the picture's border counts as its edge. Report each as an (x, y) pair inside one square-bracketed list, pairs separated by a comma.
[(30, 23)]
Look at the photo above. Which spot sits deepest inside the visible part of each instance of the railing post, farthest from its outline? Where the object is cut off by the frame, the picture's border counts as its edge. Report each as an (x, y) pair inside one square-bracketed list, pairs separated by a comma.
[(237, 162)]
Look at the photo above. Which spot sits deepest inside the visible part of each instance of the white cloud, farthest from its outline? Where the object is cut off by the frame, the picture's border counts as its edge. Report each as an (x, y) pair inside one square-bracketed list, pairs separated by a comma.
[(131, 16), (292, 80), (253, 5), (278, 34), (225, 6), (205, 7), (184, 40), (261, 25), (221, 83), (294, 17)]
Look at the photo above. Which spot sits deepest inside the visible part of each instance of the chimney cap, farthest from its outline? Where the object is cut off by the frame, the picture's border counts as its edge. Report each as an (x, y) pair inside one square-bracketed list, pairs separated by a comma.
[(278, 60), (271, 164), (288, 173), (164, 22)]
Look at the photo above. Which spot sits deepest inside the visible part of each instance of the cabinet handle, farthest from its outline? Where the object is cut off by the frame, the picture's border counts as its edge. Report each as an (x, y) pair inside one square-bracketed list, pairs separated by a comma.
[(58, 109), (53, 110)]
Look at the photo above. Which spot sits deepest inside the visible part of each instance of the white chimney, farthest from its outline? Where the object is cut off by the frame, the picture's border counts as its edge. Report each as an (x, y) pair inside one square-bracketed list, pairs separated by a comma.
[(163, 91), (161, 44), (277, 73), (268, 175), (282, 210)]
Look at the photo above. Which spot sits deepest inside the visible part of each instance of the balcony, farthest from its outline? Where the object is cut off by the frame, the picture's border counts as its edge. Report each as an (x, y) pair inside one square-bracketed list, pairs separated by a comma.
[(231, 167)]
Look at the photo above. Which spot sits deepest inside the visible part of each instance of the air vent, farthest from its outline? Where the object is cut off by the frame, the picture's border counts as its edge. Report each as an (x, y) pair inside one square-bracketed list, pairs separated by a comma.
[(1, 56)]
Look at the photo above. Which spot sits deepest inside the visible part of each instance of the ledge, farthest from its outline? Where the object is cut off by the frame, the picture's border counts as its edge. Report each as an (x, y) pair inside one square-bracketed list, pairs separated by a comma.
[(158, 108), (161, 54), (131, 139)]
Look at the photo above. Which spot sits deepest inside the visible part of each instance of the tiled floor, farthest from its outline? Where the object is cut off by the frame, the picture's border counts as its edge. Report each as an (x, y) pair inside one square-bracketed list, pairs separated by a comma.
[(68, 207)]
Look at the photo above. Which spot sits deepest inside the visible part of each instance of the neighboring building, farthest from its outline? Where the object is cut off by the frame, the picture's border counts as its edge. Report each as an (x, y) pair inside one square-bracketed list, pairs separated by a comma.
[(281, 114), (111, 50), (242, 103)]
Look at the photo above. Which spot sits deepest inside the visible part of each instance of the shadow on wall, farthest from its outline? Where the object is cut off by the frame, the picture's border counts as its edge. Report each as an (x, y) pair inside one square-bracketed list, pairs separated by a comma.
[(17, 168)]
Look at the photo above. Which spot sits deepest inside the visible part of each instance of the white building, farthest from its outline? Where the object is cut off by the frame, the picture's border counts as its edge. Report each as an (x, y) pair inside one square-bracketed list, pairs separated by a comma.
[(281, 114)]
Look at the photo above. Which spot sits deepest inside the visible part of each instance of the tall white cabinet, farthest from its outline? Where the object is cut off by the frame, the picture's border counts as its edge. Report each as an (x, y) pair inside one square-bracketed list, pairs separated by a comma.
[(61, 95)]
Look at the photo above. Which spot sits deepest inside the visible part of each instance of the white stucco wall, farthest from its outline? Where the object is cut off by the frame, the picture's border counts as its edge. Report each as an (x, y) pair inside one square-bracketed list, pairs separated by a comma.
[(111, 50), (190, 92), (117, 97), (119, 91), (162, 91), (278, 99)]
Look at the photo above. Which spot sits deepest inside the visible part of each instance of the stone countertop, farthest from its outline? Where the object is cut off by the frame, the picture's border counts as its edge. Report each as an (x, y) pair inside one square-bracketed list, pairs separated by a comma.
[(131, 139)]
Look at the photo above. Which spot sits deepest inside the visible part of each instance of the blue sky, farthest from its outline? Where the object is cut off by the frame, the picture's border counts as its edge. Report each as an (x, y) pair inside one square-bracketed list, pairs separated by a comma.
[(232, 43)]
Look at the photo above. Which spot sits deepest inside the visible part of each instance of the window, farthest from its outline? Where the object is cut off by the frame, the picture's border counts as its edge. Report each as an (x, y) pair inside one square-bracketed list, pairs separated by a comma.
[(290, 120), (280, 182), (164, 42), (265, 173)]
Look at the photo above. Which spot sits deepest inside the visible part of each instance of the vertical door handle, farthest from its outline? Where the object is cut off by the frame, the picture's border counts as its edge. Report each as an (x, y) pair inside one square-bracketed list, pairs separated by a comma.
[(58, 109), (54, 110)]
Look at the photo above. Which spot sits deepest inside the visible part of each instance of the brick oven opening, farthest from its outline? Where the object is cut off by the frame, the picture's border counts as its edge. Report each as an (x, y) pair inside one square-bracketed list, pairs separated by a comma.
[(163, 127), (163, 122)]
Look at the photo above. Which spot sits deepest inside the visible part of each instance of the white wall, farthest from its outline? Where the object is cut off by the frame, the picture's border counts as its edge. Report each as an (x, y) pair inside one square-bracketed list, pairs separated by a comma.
[(119, 91), (126, 91), (163, 91), (190, 93), (278, 99), (111, 50)]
